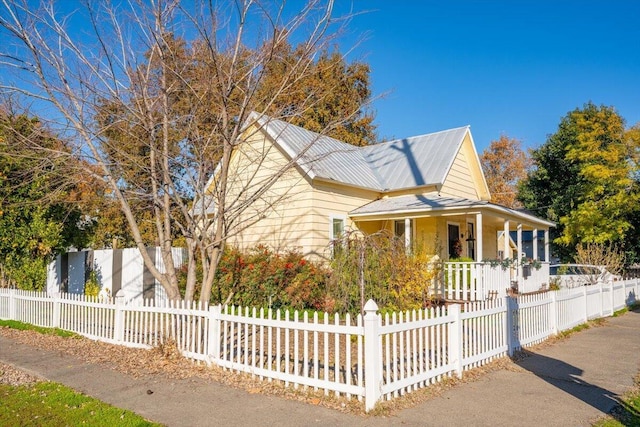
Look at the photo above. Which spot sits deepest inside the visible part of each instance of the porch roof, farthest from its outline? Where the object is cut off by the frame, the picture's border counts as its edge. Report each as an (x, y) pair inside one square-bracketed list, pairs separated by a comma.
[(432, 204)]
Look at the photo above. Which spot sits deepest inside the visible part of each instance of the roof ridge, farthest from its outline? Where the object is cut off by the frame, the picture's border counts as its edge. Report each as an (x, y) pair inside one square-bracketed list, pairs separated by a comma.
[(465, 127), (374, 166)]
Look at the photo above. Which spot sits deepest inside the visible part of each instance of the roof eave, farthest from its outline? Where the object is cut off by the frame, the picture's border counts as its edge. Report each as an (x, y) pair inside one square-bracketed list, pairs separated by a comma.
[(462, 209), (415, 212), (346, 184)]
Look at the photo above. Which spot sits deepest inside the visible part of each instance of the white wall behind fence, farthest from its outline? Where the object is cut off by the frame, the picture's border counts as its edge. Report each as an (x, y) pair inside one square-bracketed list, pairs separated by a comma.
[(115, 270)]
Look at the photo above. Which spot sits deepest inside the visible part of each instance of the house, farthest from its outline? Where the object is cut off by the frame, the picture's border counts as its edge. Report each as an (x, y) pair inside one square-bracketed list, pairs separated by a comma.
[(302, 190)]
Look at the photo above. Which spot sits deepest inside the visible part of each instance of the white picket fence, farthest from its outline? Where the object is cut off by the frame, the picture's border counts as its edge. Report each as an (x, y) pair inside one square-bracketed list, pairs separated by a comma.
[(370, 357), (477, 281)]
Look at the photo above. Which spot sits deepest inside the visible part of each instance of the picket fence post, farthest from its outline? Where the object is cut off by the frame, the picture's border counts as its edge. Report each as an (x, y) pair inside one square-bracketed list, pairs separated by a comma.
[(55, 320), (455, 339), (213, 351), (372, 356), (586, 306), (613, 303), (118, 323), (12, 304), (510, 330), (601, 290), (553, 310)]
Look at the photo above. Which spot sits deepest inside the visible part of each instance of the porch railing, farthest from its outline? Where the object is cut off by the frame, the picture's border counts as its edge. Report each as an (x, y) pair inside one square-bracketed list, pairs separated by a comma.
[(478, 281)]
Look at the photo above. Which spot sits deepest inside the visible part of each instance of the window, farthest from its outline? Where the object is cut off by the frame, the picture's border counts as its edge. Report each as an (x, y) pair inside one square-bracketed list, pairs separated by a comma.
[(471, 241), (336, 233), (337, 228), (400, 230)]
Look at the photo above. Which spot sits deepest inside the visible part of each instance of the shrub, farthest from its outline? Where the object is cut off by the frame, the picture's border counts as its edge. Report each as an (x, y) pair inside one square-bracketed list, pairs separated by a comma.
[(262, 277), (379, 267)]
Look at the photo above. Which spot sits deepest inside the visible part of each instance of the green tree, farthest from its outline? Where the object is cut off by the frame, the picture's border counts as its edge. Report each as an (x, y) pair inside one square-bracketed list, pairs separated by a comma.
[(37, 219), (583, 180)]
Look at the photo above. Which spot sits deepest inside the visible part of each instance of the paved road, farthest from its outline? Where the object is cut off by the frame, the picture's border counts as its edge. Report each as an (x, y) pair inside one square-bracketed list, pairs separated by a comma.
[(569, 383)]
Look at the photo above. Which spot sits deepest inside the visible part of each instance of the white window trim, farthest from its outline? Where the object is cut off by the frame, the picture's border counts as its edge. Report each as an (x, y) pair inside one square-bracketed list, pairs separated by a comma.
[(331, 218)]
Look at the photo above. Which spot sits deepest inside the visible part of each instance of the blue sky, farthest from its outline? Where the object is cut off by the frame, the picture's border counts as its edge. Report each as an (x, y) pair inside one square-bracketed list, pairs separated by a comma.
[(503, 67)]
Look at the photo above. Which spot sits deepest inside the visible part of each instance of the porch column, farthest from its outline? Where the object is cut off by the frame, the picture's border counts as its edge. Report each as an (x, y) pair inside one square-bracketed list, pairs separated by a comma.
[(408, 232), (506, 248), (546, 246), (518, 263), (479, 256), (535, 243)]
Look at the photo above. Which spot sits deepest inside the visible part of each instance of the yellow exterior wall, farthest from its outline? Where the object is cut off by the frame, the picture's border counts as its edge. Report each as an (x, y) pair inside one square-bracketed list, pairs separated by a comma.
[(291, 214), (333, 200), (277, 217), (295, 213), (465, 178)]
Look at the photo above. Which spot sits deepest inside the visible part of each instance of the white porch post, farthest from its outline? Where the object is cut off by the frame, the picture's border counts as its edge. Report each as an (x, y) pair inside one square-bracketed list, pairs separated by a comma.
[(518, 263), (535, 243), (506, 248), (479, 256), (546, 246), (407, 233)]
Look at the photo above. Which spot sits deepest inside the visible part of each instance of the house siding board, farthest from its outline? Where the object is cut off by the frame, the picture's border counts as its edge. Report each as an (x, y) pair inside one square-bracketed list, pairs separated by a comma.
[(327, 201), (459, 182), (282, 209), (490, 243)]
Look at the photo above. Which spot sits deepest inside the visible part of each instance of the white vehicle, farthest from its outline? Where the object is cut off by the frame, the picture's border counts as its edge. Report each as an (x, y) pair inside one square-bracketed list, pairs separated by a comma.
[(572, 275)]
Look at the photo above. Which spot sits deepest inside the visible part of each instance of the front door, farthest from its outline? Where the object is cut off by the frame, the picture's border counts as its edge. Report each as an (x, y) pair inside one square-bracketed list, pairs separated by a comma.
[(455, 246)]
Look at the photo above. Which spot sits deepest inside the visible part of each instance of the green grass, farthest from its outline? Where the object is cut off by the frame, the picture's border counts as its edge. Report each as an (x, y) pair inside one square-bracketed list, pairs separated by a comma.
[(620, 312), (51, 404), (627, 414), (13, 324)]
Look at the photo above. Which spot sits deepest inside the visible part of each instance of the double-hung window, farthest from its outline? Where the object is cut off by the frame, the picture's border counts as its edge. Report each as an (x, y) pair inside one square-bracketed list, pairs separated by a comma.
[(336, 231)]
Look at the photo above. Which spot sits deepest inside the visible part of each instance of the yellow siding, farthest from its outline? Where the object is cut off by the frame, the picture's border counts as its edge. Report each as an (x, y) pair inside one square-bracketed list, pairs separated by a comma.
[(291, 214), (465, 178), (490, 243), (276, 213), (328, 200), (459, 182), (294, 213), (427, 235)]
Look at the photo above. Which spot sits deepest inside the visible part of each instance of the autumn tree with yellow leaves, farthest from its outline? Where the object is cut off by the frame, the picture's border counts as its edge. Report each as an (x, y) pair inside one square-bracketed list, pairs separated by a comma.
[(505, 164)]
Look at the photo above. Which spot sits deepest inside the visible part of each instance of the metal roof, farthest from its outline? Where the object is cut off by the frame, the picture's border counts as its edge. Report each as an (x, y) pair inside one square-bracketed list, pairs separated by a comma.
[(416, 161), (399, 164), (414, 202)]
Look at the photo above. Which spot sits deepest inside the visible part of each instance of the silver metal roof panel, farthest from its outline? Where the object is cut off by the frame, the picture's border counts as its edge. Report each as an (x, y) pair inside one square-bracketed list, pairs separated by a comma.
[(414, 202), (393, 165)]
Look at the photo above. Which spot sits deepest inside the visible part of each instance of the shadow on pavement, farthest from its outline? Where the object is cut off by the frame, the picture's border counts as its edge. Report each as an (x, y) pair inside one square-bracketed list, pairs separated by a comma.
[(568, 378)]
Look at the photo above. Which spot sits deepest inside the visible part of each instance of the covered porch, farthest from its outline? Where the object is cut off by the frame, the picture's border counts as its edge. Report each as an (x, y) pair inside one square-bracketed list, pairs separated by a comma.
[(486, 250)]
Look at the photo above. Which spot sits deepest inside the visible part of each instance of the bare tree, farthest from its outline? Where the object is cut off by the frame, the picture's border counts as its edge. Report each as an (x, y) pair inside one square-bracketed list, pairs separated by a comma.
[(600, 255), (158, 122)]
